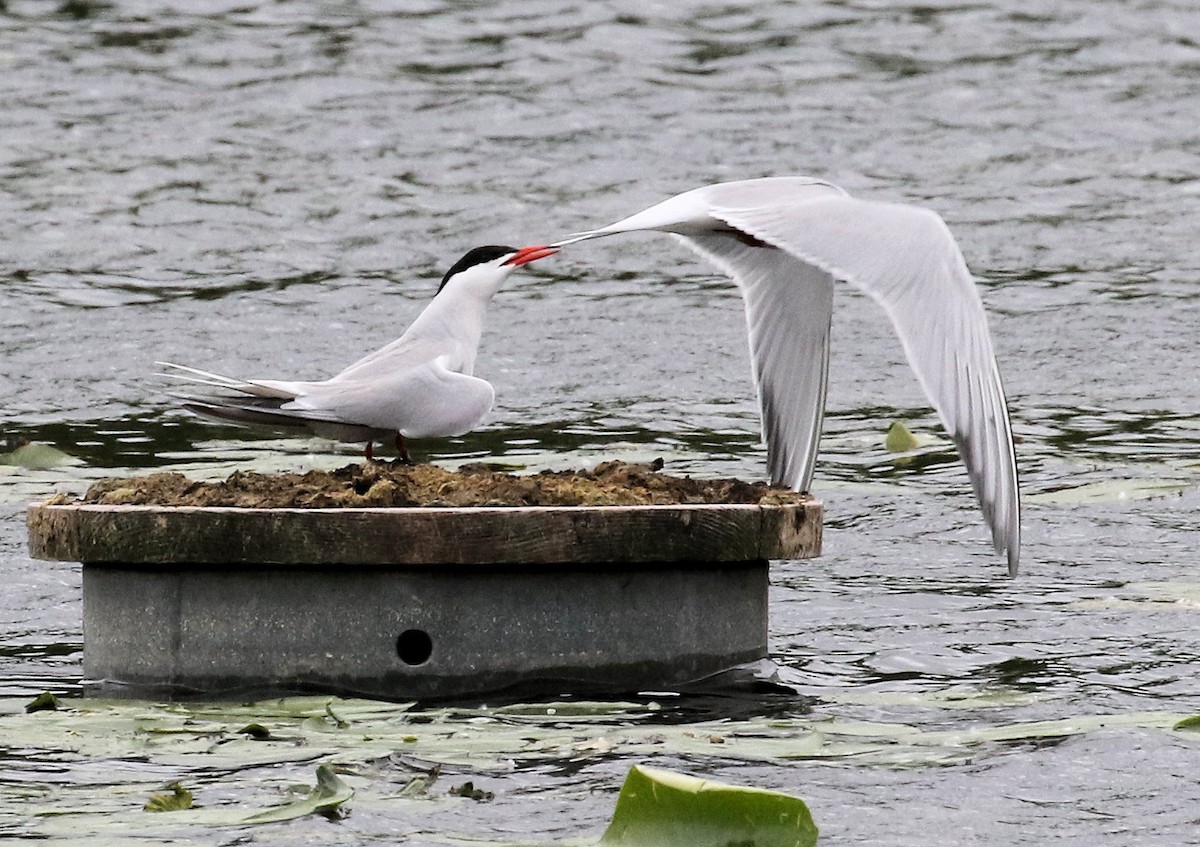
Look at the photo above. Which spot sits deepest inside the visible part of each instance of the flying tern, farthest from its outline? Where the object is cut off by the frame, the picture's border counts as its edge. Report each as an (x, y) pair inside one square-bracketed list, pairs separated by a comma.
[(784, 240), (419, 386)]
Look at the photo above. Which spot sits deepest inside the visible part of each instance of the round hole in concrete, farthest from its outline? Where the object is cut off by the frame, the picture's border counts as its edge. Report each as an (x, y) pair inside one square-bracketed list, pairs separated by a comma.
[(414, 646)]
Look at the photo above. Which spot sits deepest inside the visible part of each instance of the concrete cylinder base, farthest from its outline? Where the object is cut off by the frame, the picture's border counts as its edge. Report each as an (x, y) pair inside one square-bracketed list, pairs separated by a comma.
[(420, 603), (418, 633)]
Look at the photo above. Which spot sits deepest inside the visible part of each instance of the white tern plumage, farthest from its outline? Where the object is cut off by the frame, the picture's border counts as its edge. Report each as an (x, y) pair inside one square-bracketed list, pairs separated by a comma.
[(421, 385), (784, 240)]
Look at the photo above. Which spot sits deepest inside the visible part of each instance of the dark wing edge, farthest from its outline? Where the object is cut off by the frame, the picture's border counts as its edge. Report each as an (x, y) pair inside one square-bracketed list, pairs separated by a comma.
[(789, 306)]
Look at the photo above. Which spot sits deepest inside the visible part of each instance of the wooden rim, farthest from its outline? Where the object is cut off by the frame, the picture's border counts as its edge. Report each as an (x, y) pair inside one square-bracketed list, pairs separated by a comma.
[(530, 535)]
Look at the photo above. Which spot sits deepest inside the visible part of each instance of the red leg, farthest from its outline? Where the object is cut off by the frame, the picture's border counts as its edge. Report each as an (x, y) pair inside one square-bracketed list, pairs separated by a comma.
[(402, 449)]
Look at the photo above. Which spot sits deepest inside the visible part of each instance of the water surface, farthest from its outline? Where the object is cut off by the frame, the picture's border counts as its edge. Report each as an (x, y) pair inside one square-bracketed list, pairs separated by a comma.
[(274, 189)]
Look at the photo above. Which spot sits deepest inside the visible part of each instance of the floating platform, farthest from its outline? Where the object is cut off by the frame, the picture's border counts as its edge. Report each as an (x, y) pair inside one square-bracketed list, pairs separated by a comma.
[(420, 603)]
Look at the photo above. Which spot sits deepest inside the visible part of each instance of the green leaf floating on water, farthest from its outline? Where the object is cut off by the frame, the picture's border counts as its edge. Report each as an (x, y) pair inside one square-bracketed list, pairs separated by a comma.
[(468, 790), (658, 808), (178, 800), (256, 731), (36, 457), (1113, 490), (42, 703), (325, 798), (900, 439)]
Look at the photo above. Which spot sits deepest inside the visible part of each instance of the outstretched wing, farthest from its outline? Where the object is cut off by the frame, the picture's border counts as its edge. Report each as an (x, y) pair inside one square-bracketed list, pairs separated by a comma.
[(905, 258), (789, 304)]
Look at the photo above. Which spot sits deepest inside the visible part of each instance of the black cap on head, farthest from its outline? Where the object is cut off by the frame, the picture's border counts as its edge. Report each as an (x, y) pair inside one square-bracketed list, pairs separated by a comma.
[(476, 257)]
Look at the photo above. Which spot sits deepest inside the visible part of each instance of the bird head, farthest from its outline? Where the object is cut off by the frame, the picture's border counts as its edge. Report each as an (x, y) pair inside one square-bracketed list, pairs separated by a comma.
[(487, 267)]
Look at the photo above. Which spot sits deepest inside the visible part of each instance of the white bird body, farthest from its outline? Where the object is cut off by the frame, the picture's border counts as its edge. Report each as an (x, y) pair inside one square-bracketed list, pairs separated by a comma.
[(419, 386), (784, 240)]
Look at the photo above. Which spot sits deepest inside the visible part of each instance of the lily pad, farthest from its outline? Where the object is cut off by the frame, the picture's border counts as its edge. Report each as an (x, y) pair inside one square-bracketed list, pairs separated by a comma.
[(468, 790), (900, 438), (178, 800), (108, 757), (659, 808), (42, 703), (37, 457), (326, 797), (1156, 597), (1113, 490)]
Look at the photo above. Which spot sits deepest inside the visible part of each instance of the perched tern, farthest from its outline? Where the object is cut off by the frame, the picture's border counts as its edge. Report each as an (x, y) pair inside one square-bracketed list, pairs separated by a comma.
[(784, 240), (421, 385)]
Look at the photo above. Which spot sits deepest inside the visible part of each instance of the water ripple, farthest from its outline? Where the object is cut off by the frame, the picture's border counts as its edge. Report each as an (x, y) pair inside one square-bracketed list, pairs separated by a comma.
[(275, 189)]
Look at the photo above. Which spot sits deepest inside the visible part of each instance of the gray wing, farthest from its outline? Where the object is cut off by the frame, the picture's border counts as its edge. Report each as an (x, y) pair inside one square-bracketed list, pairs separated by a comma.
[(406, 352), (789, 304), (418, 401), (905, 258)]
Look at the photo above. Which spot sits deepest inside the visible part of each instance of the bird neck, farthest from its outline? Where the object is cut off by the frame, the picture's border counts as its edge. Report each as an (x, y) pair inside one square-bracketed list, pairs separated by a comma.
[(455, 319)]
